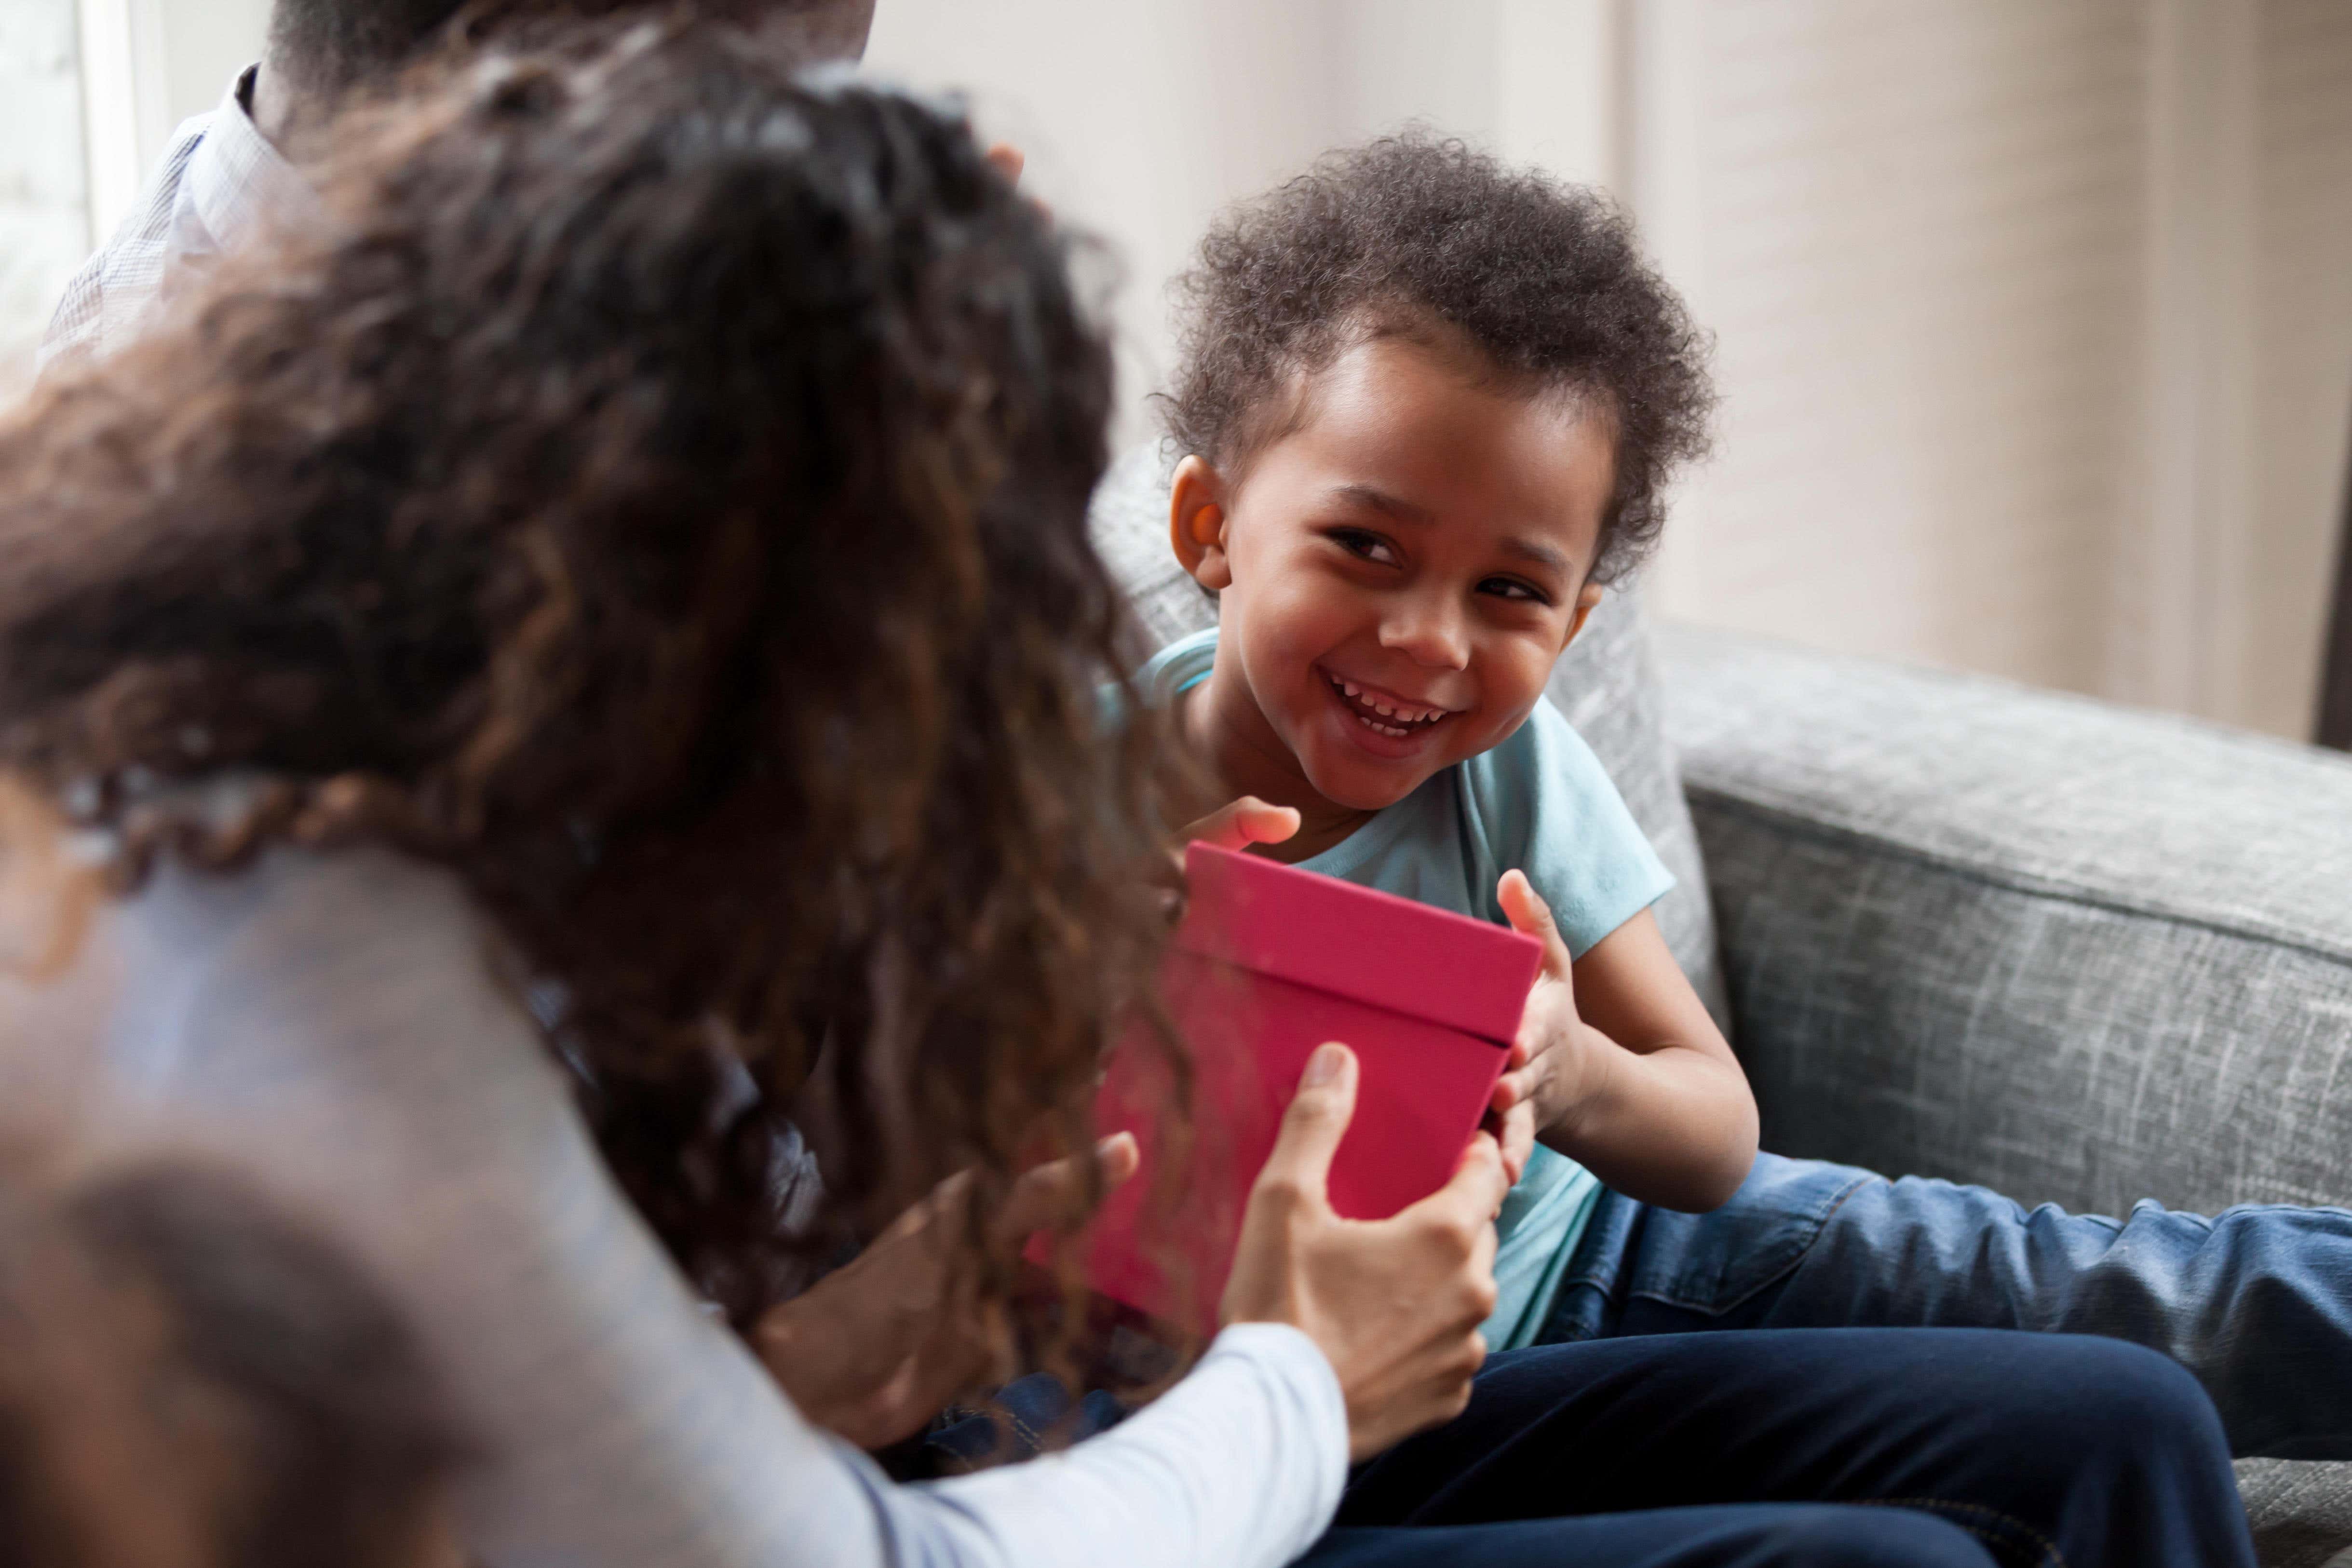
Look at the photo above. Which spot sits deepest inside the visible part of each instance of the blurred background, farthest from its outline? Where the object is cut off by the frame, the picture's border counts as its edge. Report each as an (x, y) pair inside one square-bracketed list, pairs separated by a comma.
[(2034, 317)]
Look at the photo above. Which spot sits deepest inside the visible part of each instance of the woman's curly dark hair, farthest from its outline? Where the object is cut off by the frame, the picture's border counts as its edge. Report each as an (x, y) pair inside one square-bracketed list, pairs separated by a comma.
[(1542, 279), (660, 497)]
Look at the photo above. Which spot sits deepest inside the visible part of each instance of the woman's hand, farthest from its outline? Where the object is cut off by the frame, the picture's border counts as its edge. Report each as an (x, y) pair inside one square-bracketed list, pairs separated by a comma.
[(1395, 1304), (877, 1348)]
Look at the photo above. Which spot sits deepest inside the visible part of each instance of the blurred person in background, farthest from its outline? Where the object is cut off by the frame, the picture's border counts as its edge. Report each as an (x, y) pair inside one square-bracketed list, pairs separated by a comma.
[(224, 172), (620, 593), (189, 1379)]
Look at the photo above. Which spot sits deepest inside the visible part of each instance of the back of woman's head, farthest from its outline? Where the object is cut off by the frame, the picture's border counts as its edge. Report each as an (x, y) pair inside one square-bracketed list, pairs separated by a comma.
[(660, 495)]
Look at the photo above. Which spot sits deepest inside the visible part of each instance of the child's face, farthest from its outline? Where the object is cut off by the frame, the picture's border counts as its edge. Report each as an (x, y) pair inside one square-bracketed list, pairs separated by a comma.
[(1400, 572)]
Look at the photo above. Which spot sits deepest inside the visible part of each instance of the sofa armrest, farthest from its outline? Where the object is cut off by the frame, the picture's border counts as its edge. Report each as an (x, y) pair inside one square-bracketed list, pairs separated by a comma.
[(2080, 954)]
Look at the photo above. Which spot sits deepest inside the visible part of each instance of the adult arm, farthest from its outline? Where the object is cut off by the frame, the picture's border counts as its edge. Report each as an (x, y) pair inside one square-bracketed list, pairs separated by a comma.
[(328, 1025)]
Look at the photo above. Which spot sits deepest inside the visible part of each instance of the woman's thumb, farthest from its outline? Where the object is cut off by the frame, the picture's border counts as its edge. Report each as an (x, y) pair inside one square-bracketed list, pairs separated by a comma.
[(1316, 1120)]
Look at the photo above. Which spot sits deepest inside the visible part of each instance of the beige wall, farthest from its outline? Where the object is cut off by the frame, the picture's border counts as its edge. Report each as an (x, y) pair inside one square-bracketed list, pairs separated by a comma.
[(2036, 330), (2035, 320), (1141, 118), (2303, 346), (205, 44), (1916, 232)]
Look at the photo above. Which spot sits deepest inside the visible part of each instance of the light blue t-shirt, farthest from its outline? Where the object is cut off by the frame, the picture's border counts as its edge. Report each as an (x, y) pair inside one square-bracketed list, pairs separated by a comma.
[(1541, 801)]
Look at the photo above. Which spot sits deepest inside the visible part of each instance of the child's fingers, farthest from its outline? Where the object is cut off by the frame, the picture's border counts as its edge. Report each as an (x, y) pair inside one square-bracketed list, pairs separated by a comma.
[(1246, 821), (1264, 824), (1514, 1131), (1530, 916), (1237, 826)]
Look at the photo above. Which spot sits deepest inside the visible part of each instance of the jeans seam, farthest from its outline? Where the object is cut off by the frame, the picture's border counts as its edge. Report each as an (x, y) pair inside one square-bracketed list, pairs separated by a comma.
[(2051, 1555), (1026, 1432), (1716, 1308)]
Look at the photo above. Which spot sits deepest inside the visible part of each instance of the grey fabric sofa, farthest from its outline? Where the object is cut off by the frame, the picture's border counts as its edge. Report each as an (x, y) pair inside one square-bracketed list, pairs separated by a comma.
[(1960, 928), (2080, 955)]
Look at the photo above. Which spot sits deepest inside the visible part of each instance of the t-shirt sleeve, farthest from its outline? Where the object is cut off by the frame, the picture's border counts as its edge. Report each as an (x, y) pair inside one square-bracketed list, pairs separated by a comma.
[(1541, 801)]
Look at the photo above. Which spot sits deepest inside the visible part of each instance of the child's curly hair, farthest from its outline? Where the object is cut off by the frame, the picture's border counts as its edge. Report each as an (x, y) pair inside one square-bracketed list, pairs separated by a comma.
[(1542, 278), (660, 497)]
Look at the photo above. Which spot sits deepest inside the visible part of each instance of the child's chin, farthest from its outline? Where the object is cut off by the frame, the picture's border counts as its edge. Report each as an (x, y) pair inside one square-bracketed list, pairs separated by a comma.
[(1359, 789)]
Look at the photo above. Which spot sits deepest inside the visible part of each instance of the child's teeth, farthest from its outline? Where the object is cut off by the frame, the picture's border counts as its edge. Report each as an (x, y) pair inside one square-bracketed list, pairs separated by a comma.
[(1404, 714)]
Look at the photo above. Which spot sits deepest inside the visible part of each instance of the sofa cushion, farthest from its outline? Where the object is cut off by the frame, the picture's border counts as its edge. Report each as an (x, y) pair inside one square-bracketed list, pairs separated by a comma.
[(2079, 953), (1607, 687), (2301, 1511)]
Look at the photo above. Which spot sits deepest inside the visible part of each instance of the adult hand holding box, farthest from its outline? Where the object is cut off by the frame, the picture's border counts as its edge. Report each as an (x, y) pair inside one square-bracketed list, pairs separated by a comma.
[(1268, 964)]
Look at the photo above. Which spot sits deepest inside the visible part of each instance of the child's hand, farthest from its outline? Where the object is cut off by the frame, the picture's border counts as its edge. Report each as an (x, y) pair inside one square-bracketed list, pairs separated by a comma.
[(1236, 825), (1558, 1063), (1243, 823), (1514, 1130)]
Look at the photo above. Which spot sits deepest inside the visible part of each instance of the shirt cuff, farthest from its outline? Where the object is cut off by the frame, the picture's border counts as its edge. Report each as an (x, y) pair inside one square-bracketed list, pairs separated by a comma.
[(1291, 1361)]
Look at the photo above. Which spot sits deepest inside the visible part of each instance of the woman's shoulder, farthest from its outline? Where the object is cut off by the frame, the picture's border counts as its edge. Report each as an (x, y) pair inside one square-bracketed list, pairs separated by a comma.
[(301, 932), (316, 985)]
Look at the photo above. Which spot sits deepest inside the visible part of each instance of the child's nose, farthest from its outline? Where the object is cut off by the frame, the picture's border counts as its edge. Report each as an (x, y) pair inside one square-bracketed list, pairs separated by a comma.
[(1429, 632)]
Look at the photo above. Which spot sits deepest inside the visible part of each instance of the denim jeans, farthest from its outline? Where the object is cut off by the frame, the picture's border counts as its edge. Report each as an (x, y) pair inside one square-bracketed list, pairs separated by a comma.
[(2256, 1301), (1833, 1448)]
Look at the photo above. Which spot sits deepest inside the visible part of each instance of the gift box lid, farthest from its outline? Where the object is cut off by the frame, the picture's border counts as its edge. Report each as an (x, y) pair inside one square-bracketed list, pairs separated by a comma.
[(1318, 932)]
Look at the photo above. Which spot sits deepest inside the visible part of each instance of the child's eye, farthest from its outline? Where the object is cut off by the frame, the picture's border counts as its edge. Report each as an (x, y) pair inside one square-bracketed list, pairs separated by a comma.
[(1512, 588), (1370, 546)]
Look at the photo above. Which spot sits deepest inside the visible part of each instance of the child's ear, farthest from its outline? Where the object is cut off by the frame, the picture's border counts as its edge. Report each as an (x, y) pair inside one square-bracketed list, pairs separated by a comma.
[(1196, 523), (1588, 599)]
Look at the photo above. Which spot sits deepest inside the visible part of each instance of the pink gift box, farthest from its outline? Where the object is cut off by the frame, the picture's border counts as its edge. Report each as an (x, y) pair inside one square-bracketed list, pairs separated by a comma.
[(1268, 964)]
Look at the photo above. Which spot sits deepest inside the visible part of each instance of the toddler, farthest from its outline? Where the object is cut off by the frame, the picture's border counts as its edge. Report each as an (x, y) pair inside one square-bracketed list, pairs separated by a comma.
[(1426, 407)]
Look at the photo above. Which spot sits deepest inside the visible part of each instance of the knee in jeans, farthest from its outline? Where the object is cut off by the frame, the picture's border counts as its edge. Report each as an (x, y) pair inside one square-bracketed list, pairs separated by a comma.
[(1859, 1537), (2124, 1397)]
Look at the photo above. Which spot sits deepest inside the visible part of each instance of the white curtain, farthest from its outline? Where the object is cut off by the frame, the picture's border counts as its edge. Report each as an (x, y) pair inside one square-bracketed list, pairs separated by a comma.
[(43, 194)]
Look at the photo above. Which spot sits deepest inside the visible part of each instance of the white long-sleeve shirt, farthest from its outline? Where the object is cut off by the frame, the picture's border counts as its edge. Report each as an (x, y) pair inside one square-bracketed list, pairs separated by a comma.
[(218, 180), (326, 1026)]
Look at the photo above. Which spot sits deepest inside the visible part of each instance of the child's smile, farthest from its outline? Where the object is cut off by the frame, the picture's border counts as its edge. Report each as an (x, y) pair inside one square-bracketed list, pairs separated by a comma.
[(1387, 716), (1397, 574)]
